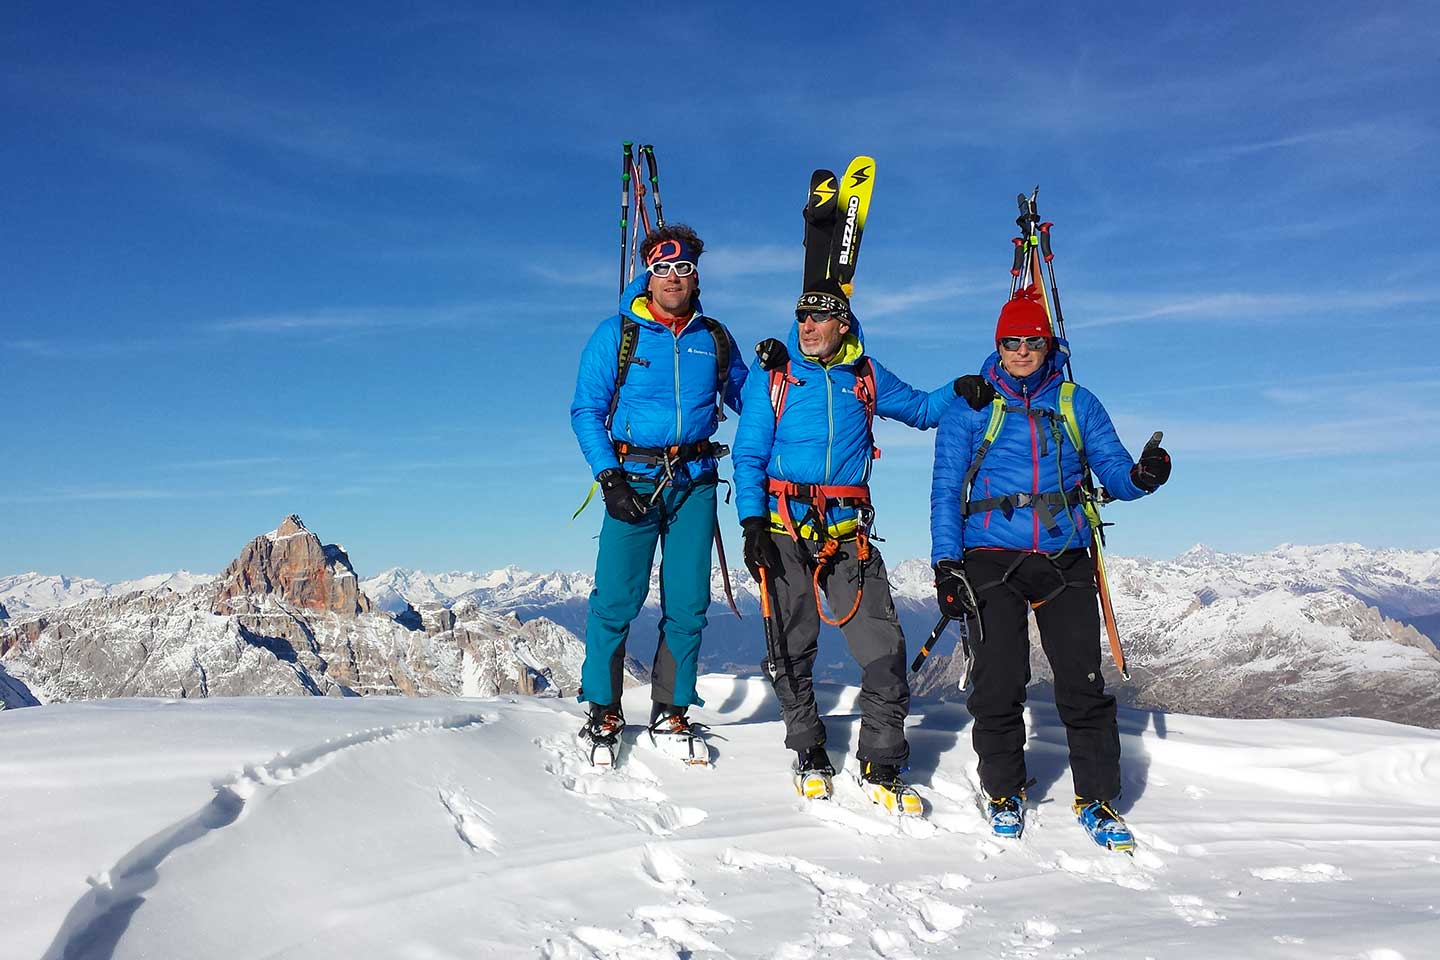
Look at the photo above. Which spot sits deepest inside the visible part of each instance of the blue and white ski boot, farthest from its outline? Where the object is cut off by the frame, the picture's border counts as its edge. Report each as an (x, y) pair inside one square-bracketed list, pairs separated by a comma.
[(1104, 825), (1006, 816)]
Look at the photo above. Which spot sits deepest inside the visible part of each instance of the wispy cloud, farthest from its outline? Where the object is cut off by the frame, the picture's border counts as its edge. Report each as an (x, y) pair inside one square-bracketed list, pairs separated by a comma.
[(359, 318), (65, 349), (883, 302), (1395, 135), (732, 262), (1250, 305), (79, 494)]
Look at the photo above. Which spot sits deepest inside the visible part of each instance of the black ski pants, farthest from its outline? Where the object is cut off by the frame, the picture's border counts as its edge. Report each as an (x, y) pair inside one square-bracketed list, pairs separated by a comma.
[(873, 634), (1069, 623)]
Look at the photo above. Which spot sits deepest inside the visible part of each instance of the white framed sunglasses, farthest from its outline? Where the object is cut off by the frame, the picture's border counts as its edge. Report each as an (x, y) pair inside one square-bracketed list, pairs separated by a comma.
[(663, 268), (1011, 344)]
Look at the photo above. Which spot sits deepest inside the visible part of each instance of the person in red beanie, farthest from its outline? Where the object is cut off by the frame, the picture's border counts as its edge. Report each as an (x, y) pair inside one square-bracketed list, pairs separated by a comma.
[(1009, 535)]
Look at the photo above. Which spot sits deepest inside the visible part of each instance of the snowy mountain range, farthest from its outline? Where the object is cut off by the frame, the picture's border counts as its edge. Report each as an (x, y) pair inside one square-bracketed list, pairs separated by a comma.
[(1295, 631), (286, 617)]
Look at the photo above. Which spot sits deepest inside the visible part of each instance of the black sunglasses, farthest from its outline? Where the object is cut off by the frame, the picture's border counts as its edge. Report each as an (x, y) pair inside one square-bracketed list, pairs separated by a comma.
[(1011, 344)]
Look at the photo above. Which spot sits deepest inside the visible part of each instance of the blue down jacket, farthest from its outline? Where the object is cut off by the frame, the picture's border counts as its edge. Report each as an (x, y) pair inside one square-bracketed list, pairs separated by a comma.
[(822, 436), (669, 394), (1022, 459)]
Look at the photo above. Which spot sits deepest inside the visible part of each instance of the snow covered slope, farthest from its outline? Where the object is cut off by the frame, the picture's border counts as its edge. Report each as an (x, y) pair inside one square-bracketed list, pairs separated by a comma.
[(441, 828)]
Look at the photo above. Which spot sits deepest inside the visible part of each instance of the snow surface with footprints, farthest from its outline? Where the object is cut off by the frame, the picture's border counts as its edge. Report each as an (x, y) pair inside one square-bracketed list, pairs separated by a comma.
[(437, 829)]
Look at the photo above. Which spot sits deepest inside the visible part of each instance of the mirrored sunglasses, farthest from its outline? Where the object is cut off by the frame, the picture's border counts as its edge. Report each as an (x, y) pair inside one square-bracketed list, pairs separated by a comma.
[(1011, 344), (663, 268), (818, 316)]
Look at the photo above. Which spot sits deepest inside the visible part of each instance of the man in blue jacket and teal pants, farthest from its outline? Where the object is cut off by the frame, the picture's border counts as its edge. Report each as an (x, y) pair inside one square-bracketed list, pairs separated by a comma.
[(802, 469), (1009, 533), (648, 397)]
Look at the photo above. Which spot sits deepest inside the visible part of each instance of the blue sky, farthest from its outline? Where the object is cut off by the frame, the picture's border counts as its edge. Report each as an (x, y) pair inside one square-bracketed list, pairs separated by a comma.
[(340, 259)]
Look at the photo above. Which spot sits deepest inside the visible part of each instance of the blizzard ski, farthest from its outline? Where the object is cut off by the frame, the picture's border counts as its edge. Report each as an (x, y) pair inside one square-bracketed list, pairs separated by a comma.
[(853, 207)]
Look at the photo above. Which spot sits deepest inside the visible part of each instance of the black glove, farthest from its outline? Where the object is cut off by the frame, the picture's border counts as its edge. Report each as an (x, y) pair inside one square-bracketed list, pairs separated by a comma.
[(975, 390), (760, 549), (952, 590), (1154, 466), (621, 500), (772, 354)]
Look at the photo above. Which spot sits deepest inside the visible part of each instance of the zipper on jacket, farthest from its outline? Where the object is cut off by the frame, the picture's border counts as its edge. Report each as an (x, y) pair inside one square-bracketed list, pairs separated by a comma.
[(677, 386), (830, 423), (1034, 461)]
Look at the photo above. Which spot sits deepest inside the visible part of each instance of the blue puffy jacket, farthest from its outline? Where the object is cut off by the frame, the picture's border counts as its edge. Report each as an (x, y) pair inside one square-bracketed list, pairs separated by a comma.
[(1022, 459), (823, 436), (669, 394)]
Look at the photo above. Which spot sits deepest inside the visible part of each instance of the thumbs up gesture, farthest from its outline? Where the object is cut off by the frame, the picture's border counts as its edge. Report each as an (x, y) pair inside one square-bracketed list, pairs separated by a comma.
[(1154, 466)]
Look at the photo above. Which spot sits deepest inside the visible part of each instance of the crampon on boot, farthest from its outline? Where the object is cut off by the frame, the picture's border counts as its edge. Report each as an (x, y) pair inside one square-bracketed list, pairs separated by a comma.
[(882, 784), (600, 736), (814, 774), (1006, 816), (1103, 824), (674, 735)]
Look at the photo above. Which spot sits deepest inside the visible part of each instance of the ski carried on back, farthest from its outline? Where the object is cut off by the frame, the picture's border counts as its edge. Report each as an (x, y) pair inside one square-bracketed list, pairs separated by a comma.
[(1031, 247)]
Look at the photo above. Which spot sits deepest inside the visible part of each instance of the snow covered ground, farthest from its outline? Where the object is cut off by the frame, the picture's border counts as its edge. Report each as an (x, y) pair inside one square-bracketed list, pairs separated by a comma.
[(455, 828)]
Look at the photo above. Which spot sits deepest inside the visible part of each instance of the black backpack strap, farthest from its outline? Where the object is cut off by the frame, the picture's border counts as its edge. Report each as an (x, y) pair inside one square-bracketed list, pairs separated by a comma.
[(624, 356), (722, 362)]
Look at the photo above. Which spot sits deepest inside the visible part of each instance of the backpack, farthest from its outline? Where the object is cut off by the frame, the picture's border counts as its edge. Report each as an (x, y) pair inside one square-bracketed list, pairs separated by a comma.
[(625, 355), (775, 360)]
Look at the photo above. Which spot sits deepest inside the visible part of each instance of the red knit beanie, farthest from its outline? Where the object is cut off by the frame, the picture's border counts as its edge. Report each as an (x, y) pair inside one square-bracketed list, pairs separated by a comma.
[(1023, 316)]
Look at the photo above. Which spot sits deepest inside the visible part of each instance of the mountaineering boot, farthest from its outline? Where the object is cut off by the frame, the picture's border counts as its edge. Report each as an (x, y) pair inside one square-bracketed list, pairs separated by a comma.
[(1103, 824), (1006, 815), (600, 736), (813, 774), (882, 784), (674, 735)]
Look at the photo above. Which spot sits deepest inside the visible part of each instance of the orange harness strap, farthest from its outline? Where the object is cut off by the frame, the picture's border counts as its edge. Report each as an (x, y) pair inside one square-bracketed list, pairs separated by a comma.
[(820, 496)]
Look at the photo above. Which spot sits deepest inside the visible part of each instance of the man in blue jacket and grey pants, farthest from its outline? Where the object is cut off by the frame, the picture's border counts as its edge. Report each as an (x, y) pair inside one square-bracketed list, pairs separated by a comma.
[(802, 469), (648, 397), (1009, 534)]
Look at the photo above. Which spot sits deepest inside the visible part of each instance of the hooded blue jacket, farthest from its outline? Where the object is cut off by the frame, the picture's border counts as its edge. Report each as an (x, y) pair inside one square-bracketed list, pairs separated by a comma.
[(1022, 459), (823, 436), (669, 394)]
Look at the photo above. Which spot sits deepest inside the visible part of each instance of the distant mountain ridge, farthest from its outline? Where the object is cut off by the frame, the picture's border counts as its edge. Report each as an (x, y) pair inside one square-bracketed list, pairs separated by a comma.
[(1295, 631), (286, 617)]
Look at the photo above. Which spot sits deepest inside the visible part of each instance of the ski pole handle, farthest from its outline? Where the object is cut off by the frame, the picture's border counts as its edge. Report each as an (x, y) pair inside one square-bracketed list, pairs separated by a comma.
[(1154, 441), (929, 643), (649, 151), (1045, 241), (764, 594), (1019, 263)]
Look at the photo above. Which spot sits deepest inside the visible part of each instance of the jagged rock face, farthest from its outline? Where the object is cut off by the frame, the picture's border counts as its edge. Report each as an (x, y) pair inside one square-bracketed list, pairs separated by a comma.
[(292, 563), (287, 617), (4, 614), (162, 644)]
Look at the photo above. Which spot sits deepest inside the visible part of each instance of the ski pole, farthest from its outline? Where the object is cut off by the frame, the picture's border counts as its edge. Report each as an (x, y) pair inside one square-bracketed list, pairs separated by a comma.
[(640, 197), (625, 163), (649, 150)]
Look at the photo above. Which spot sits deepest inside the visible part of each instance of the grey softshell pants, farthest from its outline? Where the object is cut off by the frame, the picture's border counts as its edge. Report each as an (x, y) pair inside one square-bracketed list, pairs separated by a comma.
[(873, 634)]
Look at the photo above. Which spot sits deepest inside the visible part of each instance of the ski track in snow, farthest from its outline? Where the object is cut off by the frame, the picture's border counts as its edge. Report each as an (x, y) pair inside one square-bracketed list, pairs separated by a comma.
[(95, 923)]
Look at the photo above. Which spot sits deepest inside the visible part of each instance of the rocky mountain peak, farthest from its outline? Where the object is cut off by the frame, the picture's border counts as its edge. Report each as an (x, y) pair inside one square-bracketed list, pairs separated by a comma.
[(290, 526), (294, 565)]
